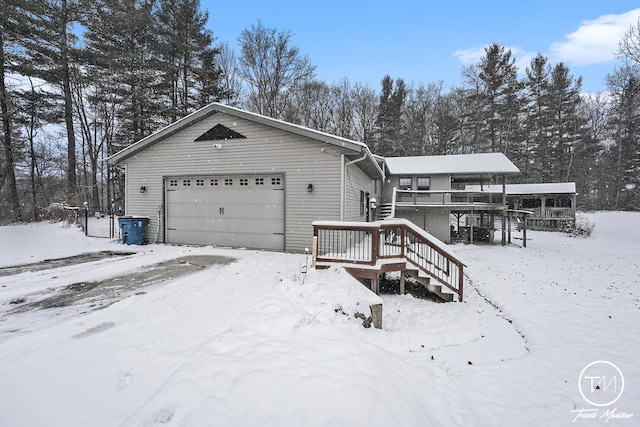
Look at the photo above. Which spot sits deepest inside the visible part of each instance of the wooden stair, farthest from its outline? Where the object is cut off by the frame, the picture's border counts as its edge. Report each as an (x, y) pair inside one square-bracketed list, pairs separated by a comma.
[(367, 250), (444, 294), (384, 211)]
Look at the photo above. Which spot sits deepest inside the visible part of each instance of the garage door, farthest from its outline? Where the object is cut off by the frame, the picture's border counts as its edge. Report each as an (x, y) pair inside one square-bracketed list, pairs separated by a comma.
[(235, 211)]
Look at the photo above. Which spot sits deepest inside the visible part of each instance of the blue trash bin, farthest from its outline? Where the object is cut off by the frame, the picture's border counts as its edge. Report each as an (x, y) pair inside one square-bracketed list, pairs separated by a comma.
[(132, 229)]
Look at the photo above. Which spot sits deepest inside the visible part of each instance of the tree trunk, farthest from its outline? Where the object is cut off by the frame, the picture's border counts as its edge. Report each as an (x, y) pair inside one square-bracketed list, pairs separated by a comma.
[(10, 176), (68, 107)]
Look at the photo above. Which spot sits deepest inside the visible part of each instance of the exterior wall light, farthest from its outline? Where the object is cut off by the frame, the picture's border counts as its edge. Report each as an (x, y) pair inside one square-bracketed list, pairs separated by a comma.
[(143, 189), (310, 188)]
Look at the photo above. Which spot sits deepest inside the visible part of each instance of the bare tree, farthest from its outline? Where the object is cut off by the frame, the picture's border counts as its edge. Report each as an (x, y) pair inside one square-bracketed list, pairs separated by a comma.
[(343, 114), (272, 68), (231, 79), (629, 46), (365, 111)]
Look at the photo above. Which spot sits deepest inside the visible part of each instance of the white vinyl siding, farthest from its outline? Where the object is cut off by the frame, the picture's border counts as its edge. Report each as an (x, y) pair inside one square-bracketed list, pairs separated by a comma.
[(265, 151), (355, 182)]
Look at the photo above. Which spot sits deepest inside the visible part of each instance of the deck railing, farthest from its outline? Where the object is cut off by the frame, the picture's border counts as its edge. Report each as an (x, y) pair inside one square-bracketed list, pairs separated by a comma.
[(448, 197), (552, 213), (376, 243)]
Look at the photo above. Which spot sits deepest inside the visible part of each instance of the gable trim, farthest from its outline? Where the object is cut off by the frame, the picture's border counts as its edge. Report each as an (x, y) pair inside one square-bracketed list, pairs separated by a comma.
[(211, 109)]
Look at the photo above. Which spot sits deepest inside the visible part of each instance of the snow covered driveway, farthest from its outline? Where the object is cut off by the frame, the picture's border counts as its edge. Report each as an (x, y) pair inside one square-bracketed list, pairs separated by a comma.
[(263, 341), (81, 297)]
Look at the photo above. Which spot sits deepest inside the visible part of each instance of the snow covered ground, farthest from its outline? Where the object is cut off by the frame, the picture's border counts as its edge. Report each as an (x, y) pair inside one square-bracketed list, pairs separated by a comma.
[(263, 341)]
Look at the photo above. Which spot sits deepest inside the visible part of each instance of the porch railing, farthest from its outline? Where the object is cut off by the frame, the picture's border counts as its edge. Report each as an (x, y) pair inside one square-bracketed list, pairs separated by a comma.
[(373, 244), (449, 197), (551, 213)]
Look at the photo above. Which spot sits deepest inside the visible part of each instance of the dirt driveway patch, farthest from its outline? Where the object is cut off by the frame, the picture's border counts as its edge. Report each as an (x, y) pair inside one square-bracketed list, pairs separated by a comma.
[(101, 294), (61, 262)]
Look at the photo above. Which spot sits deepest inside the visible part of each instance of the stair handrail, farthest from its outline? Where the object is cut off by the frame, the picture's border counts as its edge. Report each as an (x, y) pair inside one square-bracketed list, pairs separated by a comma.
[(393, 203), (444, 266), (406, 240)]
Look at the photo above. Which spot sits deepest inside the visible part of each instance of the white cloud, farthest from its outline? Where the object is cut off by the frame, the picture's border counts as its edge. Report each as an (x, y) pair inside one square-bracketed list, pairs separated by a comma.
[(473, 56), (595, 41), (470, 56)]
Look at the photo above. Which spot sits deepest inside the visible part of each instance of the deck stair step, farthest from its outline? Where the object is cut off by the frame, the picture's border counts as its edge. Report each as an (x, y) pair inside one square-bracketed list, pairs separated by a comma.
[(392, 245), (443, 293), (384, 211)]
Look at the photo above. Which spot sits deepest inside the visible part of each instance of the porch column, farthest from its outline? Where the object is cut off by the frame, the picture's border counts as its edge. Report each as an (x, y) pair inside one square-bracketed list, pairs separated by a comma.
[(504, 202)]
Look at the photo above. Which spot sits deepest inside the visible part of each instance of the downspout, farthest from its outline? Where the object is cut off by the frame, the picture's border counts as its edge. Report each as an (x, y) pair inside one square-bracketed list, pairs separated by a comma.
[(343, 181)]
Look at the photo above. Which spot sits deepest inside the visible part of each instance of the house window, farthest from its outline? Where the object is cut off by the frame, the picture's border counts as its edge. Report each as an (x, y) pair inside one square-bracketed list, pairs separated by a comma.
[(405, 183), (199, 182), (259, 181), (173, 183), (244, 182), (424, 183), (228, 181), (186, 183), (362, 202)]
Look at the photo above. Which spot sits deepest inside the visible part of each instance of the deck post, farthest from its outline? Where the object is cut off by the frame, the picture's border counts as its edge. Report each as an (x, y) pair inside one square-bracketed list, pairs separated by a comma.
[(473, 220), (460, 281), (504, 203), (524, 231), (375, 285), (375, 246), (314, 248), (402, 283)]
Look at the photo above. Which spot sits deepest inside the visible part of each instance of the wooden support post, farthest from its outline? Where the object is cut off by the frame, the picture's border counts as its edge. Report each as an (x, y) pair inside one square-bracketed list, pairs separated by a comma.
[(376, 316), (375, 285), (460, 282), (504, 203), (402, 283), (509, 228), (314, 251), (473, 219), (524, 231)]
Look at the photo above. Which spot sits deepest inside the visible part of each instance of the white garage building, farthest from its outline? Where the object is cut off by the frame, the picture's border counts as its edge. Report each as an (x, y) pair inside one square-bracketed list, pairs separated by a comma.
[(227, 177)]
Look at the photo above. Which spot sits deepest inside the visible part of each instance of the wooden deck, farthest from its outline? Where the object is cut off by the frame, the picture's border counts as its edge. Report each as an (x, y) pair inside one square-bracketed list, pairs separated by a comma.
[(368, 249)]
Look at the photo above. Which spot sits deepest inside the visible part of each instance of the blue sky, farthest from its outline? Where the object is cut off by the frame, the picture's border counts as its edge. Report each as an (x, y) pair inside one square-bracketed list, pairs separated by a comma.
[(427, 41)]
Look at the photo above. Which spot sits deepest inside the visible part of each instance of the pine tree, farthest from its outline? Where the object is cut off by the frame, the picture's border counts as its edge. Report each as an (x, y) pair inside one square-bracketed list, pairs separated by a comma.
[(389, 131), (50, 47), (498, 72), (189, 72), (566, 124), (624, 85), (535, 148), (121, 53)]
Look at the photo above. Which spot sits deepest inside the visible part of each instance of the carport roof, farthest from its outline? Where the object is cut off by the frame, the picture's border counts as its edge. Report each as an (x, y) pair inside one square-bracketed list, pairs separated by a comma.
[(209, 110), (528, 189), (458, 164)]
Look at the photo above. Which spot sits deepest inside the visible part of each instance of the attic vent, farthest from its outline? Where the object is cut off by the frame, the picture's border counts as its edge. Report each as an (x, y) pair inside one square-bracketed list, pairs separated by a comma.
[(219, 132)]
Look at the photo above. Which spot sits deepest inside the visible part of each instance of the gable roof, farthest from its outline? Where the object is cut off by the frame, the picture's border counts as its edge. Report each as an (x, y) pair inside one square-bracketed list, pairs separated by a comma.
[(524, 189), (213, 108), (459, 164)]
